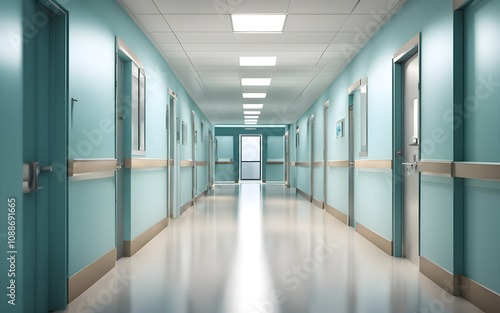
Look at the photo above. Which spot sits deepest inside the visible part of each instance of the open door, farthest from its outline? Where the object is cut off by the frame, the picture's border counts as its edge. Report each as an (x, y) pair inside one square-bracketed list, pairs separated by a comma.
[(407, 151)]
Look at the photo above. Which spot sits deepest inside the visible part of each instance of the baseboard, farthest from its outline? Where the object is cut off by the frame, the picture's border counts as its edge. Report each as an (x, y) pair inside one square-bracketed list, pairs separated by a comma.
[(482, 297), (204, 193), (81, 281), (440, 276), (186, 206), (459, 285), (384, 244), (318, 203), (336, 213), (304, 195), (131, 247)]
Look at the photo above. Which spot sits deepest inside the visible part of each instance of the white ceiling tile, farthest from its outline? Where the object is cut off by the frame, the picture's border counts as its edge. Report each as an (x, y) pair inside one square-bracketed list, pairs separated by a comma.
[(170, 46), (345, 37), (163, 37), (338, 54), (303, 47), (313, 23), (153, 23), (257, 38), (361, 23), (141, 6), (208, 68), (378, 7), (216, 62), (322, 6), (192, 6), (199, 23), (310, 37), (299, 55), (284, 63), (257, 6), (229, 47), (198, 37)]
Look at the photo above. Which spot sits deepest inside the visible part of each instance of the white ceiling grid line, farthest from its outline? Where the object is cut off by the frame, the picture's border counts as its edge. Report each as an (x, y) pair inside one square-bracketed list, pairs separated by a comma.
[(197, 40)]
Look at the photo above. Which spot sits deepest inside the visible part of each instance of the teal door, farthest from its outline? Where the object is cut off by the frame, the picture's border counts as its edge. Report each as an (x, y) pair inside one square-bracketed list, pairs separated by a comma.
[(45, 157)]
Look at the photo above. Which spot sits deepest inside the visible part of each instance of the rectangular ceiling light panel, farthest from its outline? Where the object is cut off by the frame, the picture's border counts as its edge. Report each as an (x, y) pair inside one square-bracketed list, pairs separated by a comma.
[(258, 61), (256, 81), (251, 106), (251, 112), (247, 95), (258, 22)]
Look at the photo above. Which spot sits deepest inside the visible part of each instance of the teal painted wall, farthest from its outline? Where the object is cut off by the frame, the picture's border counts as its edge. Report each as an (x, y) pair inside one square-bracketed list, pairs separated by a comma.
[(225, 151), (373, 189), (11, 155), (275, 152), (482, 90), (93, 27)]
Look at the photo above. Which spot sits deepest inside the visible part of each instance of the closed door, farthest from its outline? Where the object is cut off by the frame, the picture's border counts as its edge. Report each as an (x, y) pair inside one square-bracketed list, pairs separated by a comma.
[(43, 208), (209, 160), (250, 163), (411, 155), (351, 167), (311, 131), (120, 116), (287, 159), (325, 154), (172, 138), (194, 145)]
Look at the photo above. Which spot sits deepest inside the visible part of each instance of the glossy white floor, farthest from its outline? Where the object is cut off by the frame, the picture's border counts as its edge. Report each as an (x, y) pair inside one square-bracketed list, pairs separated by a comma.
[(253, 248)]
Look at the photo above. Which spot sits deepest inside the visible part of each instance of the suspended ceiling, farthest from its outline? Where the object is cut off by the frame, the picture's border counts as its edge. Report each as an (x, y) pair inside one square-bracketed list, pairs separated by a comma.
[(319, 39)]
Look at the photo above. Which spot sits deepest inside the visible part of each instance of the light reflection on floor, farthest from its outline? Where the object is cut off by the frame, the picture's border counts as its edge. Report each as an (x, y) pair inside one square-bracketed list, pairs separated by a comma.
[(253, 248)]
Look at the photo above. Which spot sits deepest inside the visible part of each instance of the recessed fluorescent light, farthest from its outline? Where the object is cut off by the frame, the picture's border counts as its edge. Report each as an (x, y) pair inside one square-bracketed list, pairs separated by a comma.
[(250, 123), (251, 116), (255, 81), (250, 128), (253, 106), (247, 95), (254, 120), (258, 22), (251, 112), (258, 61)]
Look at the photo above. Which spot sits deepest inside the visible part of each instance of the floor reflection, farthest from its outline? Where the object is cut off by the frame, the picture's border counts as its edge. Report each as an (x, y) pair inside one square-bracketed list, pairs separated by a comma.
[(252, 248)]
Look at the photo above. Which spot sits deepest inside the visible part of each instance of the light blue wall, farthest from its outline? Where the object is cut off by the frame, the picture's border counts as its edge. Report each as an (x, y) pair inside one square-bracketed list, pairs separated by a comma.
[(91, 230), (373, 192), (482, 90), (11, 156), (93, 27), (275, 152)]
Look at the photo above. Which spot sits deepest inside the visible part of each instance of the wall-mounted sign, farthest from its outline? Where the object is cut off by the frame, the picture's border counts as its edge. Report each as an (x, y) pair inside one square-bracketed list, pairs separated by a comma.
[(340, 129)]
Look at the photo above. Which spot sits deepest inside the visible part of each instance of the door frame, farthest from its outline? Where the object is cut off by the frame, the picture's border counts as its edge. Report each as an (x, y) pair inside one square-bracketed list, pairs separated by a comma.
[(311, 130), (287, 158), (325, 152), (351, 212), (240, 151), (209, 159), (194, 135), (403, 54), (173, 161)]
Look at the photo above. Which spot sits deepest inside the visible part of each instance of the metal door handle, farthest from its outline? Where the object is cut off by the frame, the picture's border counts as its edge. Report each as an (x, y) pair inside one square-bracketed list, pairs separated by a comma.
[(119, 166)]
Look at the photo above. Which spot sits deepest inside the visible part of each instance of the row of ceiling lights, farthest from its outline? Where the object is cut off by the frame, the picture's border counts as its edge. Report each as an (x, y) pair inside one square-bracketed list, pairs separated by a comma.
[(256, 23)]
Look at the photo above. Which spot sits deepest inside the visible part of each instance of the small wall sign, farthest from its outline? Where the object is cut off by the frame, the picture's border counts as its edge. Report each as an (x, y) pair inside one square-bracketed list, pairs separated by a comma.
[(340, 129)]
